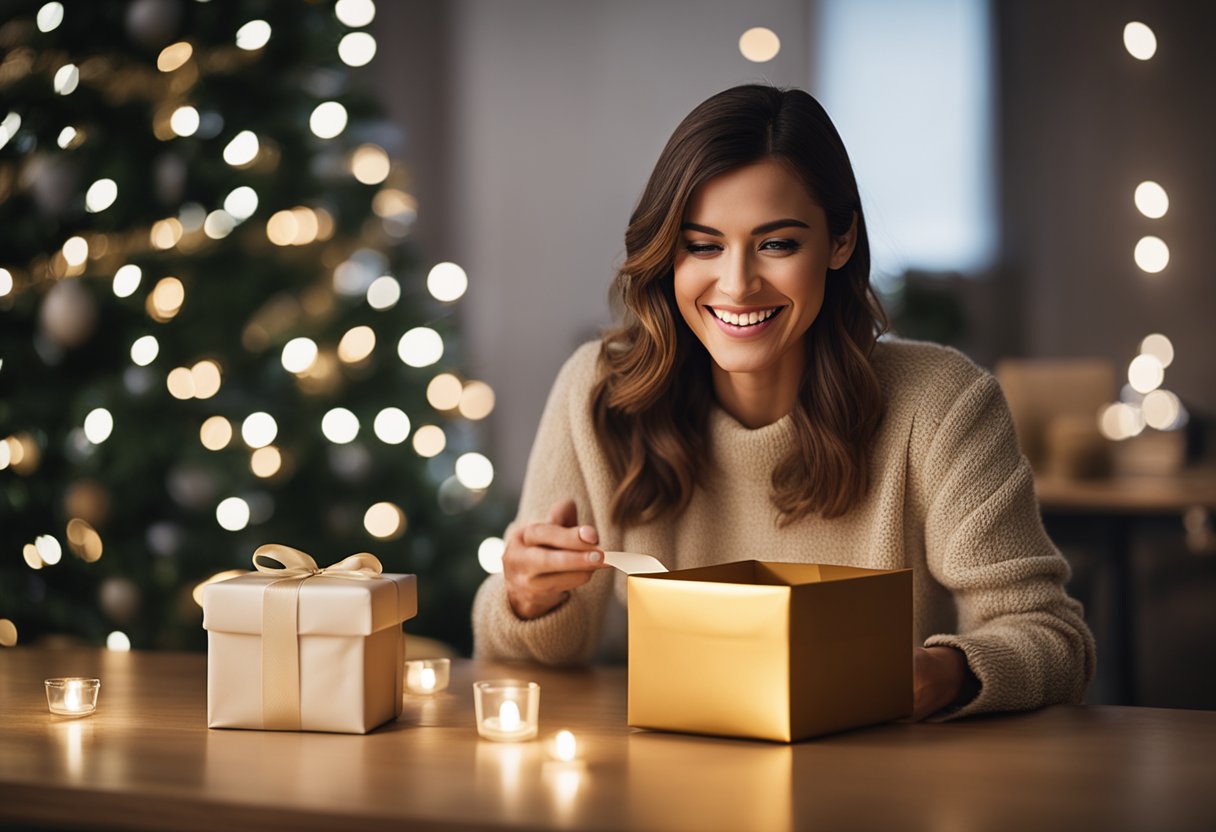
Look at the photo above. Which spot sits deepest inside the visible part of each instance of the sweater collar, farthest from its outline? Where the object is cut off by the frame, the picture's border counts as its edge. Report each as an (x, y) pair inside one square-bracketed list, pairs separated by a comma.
[(746, 452)]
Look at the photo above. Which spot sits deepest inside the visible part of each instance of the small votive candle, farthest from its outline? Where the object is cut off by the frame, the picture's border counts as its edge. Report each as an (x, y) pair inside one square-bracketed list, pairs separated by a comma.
[(507, 710), (72, 695), (426, 676)]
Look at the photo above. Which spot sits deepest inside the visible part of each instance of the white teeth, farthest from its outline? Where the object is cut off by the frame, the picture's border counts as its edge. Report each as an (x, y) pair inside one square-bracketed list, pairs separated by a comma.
[(745, 319)]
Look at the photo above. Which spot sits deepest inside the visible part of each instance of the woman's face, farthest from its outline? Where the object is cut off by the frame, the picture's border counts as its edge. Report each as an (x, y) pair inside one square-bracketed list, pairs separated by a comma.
[(751, 266)]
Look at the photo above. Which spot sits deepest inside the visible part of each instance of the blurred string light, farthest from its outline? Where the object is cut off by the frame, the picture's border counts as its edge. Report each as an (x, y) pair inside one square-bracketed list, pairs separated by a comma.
[(215, 433), (241, 203), (357, 49), (266, 462), (75, 251), (259, 429), (67, 137), (219, 224), (30, 553), (253, 35), (49, 17), (1152, 254), (355, 13), (420, 347), (490, 552), (299, 226), (327, 120), (1151, 200), (207, 379), (84, 541), (384, 292), (192, 217), (242, 149), (356, 345), (144, 350), (184, 121), (299, 354), (444, 391), (384, 520), (370, 164), (100, 195), (447, 282), (166, 299), (476, 400), (474, 471), (48, 548), (391, 426), (166, 233), (429, 441), (8, 633), (1145, 373), (340, 426), (232, 514), (126, 280), (759, 44), (98, 425), (1158, 346), (6, 282), (180, 383), (67, 78), (1139, 40), (9, 127), (118, 642), (21, 453), (1163, 410), (174, 56)]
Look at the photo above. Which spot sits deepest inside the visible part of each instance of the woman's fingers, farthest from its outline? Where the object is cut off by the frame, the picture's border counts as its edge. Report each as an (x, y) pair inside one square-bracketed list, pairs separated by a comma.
[(559, 537)]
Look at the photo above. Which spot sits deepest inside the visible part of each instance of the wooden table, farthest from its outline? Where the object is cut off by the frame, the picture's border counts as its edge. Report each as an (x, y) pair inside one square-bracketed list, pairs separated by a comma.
[(146, 760)]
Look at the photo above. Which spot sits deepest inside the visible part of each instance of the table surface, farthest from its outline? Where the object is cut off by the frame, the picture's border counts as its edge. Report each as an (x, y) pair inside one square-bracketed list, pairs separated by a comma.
[(146, 760), (1136, 494)]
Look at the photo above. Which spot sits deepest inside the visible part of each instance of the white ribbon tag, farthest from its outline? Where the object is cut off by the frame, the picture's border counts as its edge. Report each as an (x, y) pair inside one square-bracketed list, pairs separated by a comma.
[(632, 563)]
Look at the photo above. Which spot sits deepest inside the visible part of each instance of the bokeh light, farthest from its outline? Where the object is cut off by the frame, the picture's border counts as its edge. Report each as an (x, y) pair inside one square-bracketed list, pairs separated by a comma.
[(174, 56), (75, 251), (340, 426), (49, 17), (759, 44), (219, 224), (180, 382), (144, 350), (327, 120), (253, 35), (232, 514), (241, 202), (67, 78), (48, 548), (118, 642), (384, 292), (1152, 200), (266, 462), (391, 426), (447, 281), (259, 429), (126, 280), (100, 195), (357, 344), (1158, 346), (444, 391), (357, 49), (369, 163), (476, 400), (66, 138), (166, 299), (242, 150), (98, 425), (166, 233), (184, 121), (215, 433), (6, 282), (1145, 373), (299, 354), (207, 379), (384, 520), (490, 552), (84, 540), (474, 471), (1161, 409), (420, 347), (1152, 254), (8, 630), (355, 13), (429, 441), (1139, 40)]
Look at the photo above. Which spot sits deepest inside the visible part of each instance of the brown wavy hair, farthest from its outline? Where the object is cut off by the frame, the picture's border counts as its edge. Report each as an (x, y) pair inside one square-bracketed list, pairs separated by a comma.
[(652, 400)]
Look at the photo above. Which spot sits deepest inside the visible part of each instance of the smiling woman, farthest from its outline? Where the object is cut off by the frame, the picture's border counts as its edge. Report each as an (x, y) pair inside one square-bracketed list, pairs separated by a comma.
[(746, 408)]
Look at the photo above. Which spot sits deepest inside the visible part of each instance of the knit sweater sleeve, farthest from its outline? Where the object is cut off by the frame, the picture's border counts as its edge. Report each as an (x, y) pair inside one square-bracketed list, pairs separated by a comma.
[(1023, 636), (564, 445)]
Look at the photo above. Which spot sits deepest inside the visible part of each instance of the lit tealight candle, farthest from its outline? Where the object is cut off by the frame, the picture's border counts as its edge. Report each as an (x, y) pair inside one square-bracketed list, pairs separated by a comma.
[(427, 676), (565, 747), (73, 696), (499, 715)]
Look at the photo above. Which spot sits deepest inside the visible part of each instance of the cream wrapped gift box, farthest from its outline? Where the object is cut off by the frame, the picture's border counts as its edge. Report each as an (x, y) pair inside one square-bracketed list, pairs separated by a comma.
[(305, 649)]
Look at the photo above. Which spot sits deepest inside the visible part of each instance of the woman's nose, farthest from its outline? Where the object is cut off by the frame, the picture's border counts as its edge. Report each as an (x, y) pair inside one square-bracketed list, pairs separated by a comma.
[(740, 275)]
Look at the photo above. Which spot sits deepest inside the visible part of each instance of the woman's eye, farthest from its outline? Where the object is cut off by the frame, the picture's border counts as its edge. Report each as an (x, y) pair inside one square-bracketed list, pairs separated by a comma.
[(780, 245), (700, 248)]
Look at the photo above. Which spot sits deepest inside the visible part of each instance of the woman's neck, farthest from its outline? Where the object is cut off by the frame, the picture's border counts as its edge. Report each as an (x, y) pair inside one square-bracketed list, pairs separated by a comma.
[(759, 399)]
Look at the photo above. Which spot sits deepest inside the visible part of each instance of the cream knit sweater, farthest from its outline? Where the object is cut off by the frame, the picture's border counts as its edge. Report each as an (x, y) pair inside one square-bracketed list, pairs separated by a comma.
[(950, 496)]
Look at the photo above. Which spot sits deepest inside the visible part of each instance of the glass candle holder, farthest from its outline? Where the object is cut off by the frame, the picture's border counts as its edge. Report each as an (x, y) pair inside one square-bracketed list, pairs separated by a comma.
[(427, 676), (507, 710), (72, 695)]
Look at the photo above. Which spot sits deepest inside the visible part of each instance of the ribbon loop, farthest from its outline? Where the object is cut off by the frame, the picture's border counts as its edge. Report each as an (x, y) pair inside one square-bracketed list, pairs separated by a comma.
[(280, 614)]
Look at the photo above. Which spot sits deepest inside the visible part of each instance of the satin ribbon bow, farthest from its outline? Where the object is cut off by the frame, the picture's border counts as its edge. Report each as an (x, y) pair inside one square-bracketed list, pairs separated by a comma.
[(280, 625)]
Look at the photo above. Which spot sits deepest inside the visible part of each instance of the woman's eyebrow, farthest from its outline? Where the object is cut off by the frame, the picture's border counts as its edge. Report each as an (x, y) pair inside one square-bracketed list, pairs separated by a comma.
[(759, 229)]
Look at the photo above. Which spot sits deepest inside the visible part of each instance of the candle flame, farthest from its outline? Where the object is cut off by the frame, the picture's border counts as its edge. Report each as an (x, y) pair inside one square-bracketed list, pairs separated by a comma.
[(427, 679), (566, 746), (508, 716), (72, 696)]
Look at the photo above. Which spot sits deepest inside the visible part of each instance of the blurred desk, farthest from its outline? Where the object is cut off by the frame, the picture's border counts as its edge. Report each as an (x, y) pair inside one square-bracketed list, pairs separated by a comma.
[(1104, 511), (146, 760)]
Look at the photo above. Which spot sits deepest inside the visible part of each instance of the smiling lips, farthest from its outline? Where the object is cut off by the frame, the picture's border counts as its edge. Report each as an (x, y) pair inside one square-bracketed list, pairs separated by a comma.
[(744, 323)]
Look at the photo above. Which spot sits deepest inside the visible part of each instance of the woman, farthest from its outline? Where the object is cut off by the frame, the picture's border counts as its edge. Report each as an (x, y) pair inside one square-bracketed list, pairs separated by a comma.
[(745, 408)]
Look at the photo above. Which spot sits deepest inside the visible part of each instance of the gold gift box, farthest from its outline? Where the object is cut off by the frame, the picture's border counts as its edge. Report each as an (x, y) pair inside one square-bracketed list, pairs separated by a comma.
[(351, 651), (775, 651)]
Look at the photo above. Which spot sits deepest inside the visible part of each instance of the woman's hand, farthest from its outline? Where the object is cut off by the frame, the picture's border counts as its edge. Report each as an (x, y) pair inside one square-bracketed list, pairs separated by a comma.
[(937, 678), (544, 561)]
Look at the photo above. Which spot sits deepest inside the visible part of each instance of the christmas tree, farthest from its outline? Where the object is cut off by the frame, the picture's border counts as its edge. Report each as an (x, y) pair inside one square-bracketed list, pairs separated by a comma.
[(214, 329)]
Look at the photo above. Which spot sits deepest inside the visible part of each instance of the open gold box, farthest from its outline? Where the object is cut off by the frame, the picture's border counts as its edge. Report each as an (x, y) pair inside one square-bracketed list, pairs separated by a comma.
[(775, 651)]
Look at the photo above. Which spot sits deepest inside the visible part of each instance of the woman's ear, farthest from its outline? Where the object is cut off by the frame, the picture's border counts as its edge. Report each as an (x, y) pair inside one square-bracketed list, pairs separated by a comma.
[(842, 246)]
